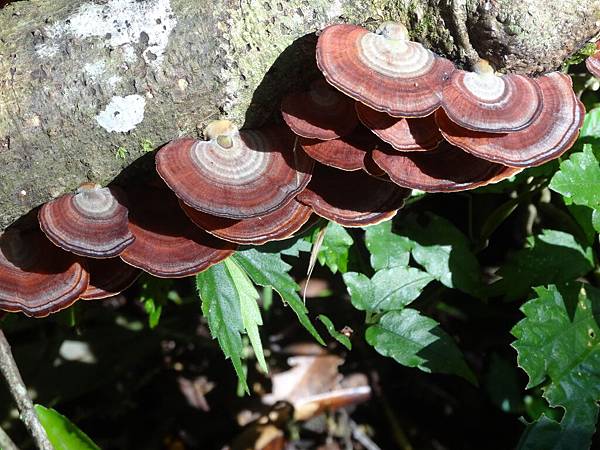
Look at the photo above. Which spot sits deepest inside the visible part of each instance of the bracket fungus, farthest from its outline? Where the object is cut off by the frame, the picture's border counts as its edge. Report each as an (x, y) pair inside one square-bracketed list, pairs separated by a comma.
[(405, 135), (167, 244), (92, 222), (36, 277), (445, 169), (551, 134), (344, 153), (484, 101), (280, 224), (352, 199), (235, 174), (592, 62), (321, 113), (108, 277), (384, 70)]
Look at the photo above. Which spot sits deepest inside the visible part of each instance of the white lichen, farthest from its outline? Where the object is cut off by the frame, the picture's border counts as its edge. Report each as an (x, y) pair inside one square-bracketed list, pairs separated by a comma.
[(120, 24), (122, 114)]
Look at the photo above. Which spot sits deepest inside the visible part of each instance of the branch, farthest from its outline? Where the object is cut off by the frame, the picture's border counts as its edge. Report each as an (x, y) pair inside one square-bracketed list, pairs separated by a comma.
[(6, 442), (17, 388)]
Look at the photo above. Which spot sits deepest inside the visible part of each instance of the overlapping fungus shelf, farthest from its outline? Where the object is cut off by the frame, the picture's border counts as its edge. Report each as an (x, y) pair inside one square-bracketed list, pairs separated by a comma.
[(166, 243), (108, 277), (36, 277), (405, 135), (445, 169), (279, 224), (345, 153), (384, 70), (236, 174), (483, 101), (92, 222), (321, 113), (352, 199), (551, 134), (593, 62)]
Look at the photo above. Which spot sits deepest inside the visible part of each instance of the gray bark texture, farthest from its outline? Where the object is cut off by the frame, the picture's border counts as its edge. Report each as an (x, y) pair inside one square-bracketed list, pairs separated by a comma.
[(87, 87)]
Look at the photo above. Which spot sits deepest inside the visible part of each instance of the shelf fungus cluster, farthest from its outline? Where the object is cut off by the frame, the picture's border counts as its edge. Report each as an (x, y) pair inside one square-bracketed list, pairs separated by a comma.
[(388, 116), (593, 62), (422, 123)]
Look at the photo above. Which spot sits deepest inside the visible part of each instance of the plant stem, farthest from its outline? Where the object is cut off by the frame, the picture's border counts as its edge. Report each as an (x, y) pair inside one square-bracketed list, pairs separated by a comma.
[(6, 442), (17, 388)]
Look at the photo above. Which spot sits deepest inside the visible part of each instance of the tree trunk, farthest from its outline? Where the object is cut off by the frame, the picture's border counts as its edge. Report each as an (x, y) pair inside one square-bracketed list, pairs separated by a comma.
[(87, 87)]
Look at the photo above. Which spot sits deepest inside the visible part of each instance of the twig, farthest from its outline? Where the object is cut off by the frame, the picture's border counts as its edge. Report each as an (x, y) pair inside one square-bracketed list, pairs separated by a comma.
[(362, 437), (6, 442), (17, 388)]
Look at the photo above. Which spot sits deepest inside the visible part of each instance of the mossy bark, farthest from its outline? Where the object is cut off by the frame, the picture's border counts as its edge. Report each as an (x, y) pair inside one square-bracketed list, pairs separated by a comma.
[(86, 88)]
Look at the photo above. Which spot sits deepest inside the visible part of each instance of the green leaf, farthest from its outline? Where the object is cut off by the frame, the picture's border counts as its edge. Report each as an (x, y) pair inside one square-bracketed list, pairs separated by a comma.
[(251, 318), (596, 220), (558, 342), (340, 337), (389, 289), (552, 257), (268, 269), (221, 308), (443, 250), (417, 341), (335, 248), (63, 434), (387, 248), (544, 433), (591, 124), (578, 178)]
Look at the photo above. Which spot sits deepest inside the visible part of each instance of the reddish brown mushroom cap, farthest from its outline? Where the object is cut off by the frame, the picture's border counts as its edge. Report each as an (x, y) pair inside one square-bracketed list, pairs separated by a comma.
[(36, 277), (383, 70), (167, 244), (108, 277), (445, 169), (92, 222), (321, 113), (405, 135), (279, 224), (236, 174), (484, 101), (551, 134), (593, 62), (345, 153), (352, 199)]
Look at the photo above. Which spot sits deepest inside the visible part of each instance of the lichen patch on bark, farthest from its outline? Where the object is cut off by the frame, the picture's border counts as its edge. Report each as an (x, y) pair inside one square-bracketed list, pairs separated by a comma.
[(122, 114)]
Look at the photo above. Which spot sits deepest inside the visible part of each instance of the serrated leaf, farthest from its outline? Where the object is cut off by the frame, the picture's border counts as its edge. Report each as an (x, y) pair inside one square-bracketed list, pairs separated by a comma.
[(221, 308), (552, 256), (414, 340), (387, 248), (389, 289), (340, 337), (578, 178), (62, 433), (335, 248), (544, 433), (268, 269), (591, 124), (251, 318), (558, 342), (443, 250)]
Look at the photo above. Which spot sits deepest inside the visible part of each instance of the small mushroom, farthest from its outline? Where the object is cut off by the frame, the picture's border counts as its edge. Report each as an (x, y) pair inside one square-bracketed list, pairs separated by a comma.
[(108, 277), (592, 62), (384, 70), (352, 199), (278, 225), (345, 153), (445, 169), (236, 174), (483, 101), (167, 244), (321, 113), (551, 134), (36, 277), (405, 135), (92, 222)]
